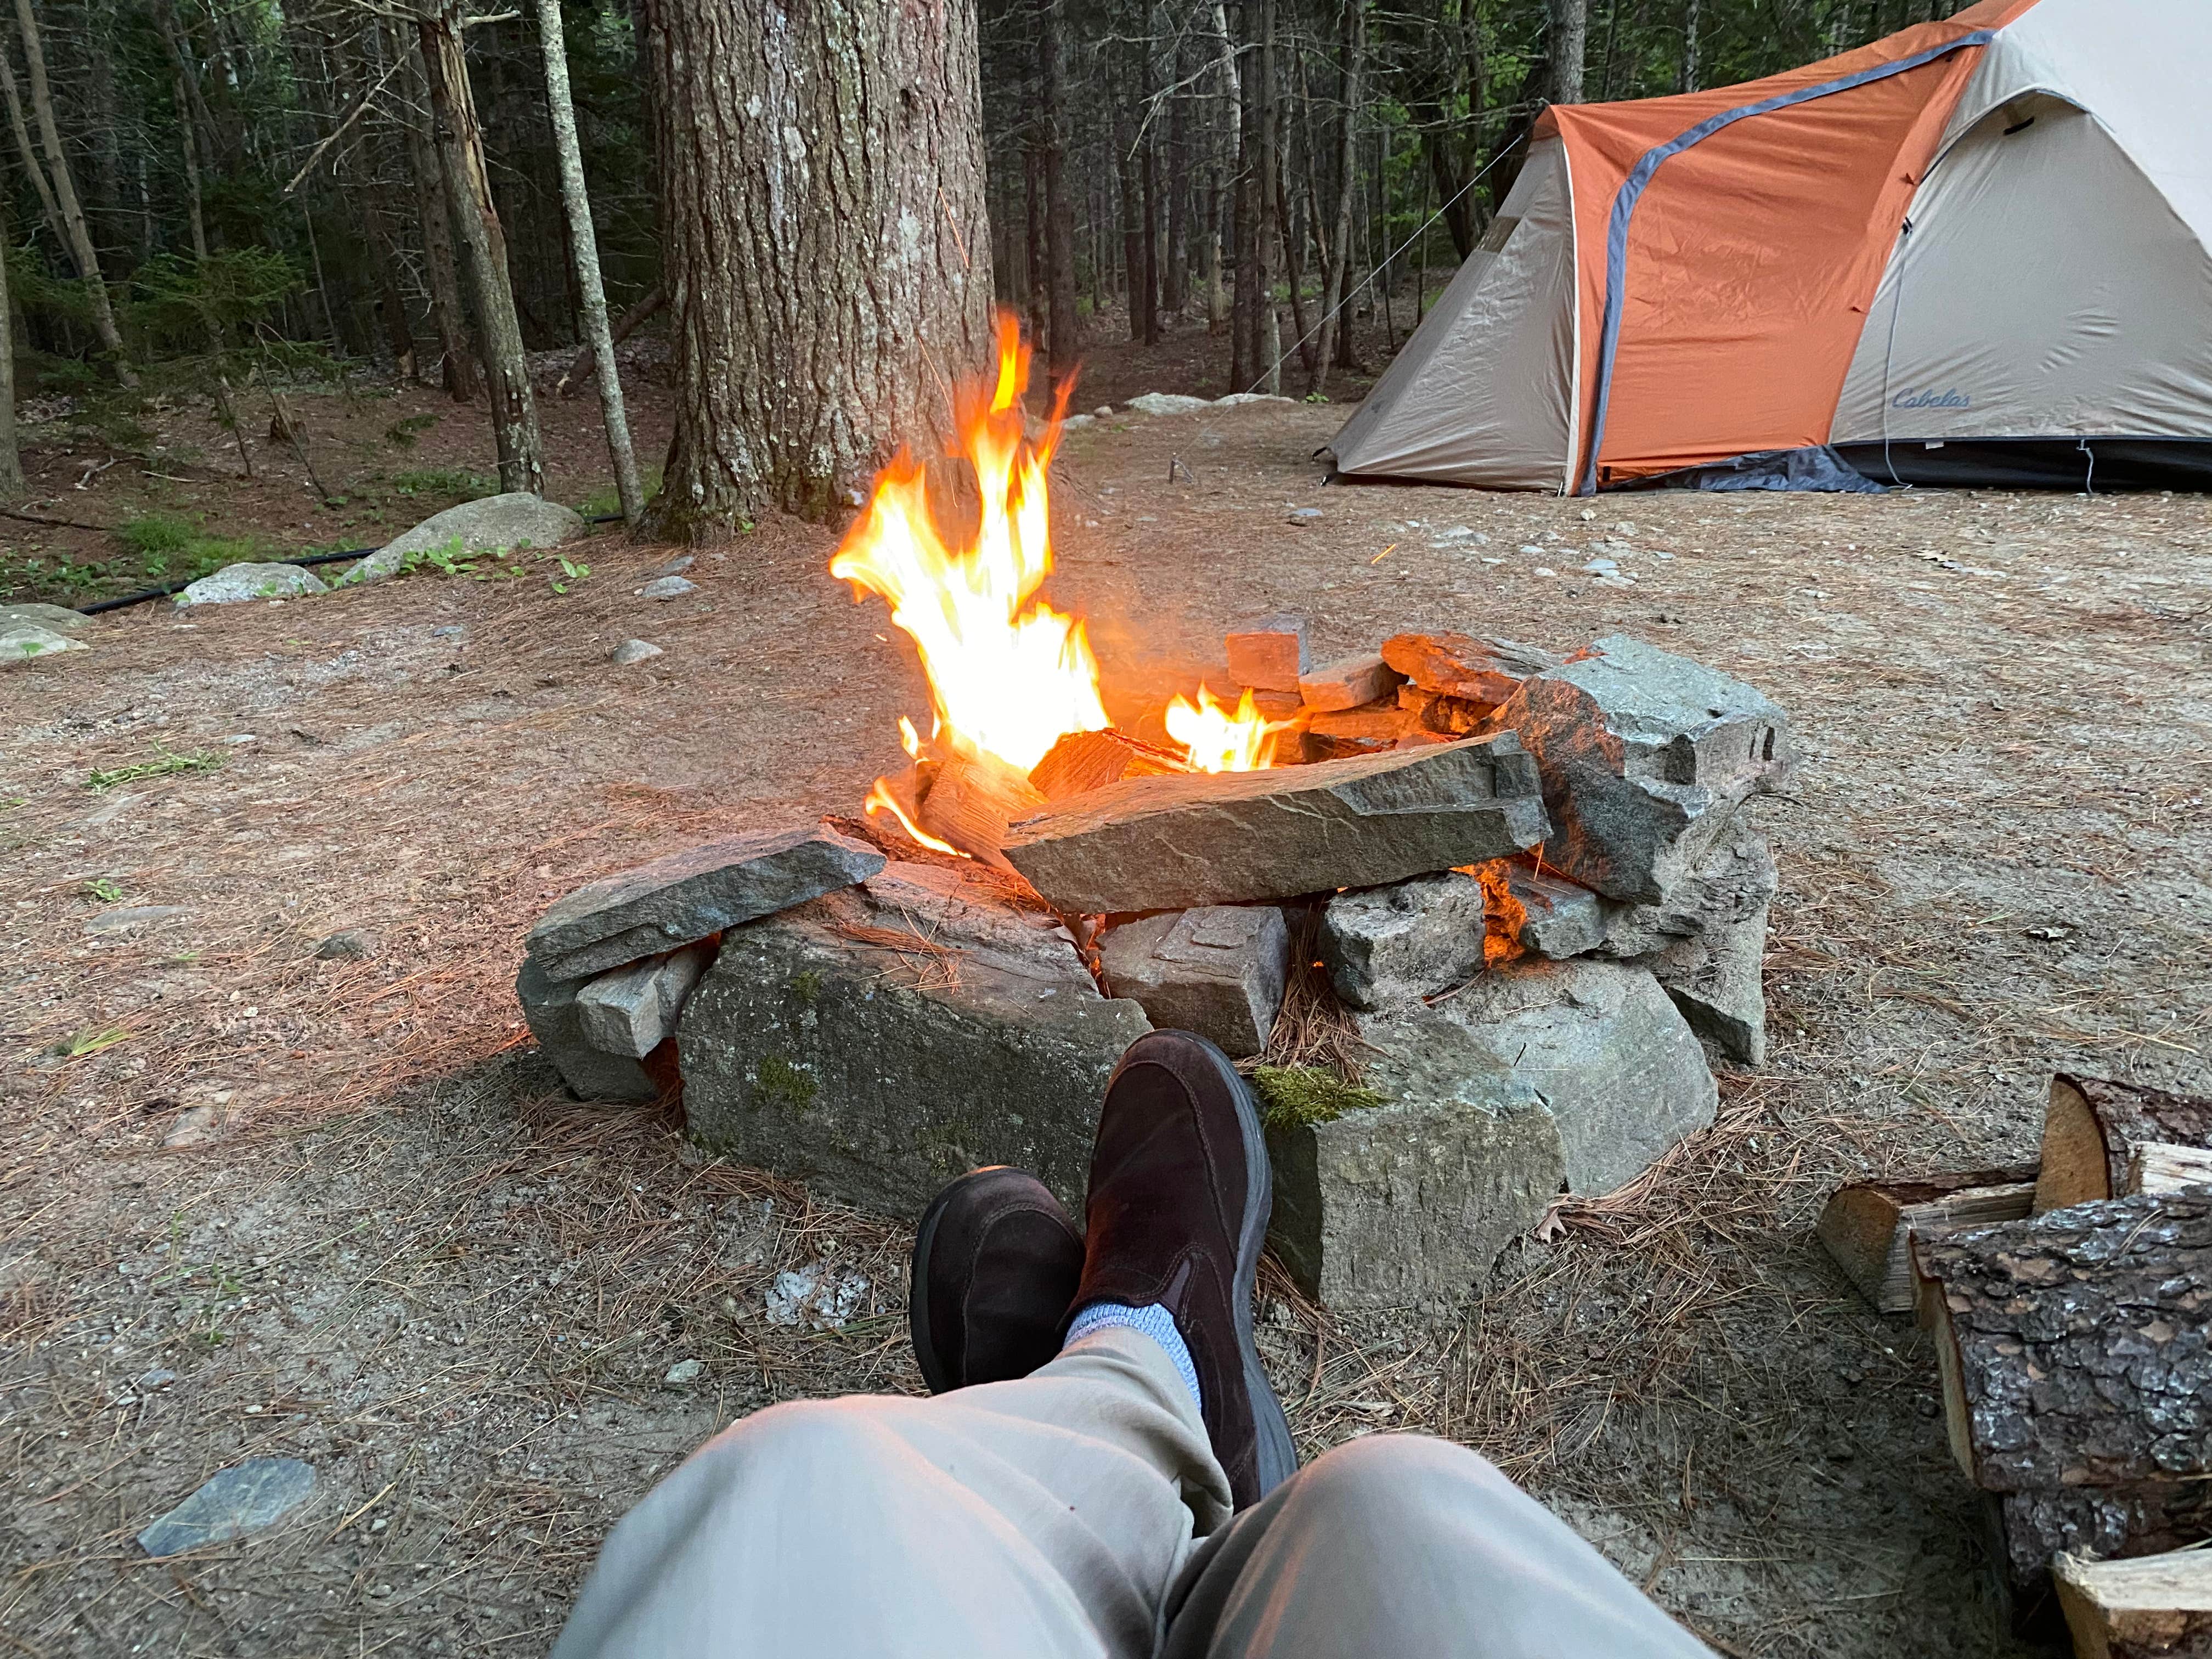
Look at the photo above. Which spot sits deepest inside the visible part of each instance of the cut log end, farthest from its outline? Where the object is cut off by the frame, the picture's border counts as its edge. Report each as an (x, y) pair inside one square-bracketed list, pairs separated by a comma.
[(968, 800), (2152, 1605)]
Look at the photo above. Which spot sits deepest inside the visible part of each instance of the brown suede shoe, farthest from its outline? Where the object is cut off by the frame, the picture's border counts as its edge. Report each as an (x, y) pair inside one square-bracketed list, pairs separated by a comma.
[(995, 1265), (1180, 1194)]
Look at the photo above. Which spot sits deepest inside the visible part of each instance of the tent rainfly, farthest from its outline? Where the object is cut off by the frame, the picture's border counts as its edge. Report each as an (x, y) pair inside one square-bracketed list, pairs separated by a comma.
[(1975, 252)]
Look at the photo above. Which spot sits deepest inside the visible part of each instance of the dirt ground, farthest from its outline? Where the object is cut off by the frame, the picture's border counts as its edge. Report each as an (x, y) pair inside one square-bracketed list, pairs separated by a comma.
[(262, 1203)]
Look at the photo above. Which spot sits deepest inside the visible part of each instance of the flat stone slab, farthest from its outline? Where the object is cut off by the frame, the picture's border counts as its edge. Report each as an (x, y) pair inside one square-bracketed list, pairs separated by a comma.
[(1267, 653), (549, 1008), (1645, 757), (1174, 843), (240, 1499), (885, 1038), (517, 519), (1347, 683), (1218, 970), (1479, 671), (1399, 944), (630, 1011), (687, 896), (238, 584)]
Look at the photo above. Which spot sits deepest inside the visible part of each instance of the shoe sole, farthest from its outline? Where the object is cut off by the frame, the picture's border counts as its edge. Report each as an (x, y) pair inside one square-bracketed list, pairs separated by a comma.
[(1276, 1453), (934, 1374)]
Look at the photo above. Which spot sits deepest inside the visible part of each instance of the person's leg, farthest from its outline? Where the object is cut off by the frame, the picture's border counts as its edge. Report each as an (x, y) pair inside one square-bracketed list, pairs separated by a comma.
[(1041, 1518), (1398, 1545)]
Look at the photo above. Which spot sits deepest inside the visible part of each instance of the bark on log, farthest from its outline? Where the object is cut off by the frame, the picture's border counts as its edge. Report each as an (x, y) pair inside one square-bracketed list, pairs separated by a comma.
[(2092, 1128), (2075, 1347), (1869, 1225), (827, 247), (2029, 1530), (2156, 1606)]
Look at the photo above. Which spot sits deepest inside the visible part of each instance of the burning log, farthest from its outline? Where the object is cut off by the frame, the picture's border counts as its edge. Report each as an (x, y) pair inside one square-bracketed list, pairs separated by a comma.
[(1082, 761), (967, 801), (1868, 1226), (1483, 672), (2092, 1128), (2073, 1343)]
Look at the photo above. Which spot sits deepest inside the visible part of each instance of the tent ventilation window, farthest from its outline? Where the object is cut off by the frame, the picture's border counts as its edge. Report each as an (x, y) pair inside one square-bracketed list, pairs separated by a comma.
[(2018, 116)]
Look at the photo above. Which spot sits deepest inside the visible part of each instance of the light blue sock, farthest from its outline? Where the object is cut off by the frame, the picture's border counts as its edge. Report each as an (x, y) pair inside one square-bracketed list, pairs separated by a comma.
[(1153, 1320)]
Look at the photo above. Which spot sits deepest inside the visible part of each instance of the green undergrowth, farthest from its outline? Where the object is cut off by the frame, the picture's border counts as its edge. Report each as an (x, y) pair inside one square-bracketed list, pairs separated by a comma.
[(1300, 1097)]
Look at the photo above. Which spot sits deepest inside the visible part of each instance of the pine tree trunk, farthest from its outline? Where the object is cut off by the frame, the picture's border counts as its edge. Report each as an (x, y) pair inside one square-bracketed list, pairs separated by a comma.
[(1565, 50), (68, 209), (1336, 256), (1066, 340), (483, 257), (1268, 346), (11, 460), (584, 248), (1174, 273), (825, 241), (25, 151), (441, 276)]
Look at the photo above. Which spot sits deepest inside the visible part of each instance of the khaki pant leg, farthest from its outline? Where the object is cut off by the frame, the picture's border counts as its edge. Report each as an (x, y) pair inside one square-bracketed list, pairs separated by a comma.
[(1399, 1546), (1042, 1518)]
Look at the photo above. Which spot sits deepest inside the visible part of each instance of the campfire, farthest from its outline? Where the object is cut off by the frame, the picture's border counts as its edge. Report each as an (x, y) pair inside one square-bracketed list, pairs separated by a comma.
[(1016, 716), (1472, 915)]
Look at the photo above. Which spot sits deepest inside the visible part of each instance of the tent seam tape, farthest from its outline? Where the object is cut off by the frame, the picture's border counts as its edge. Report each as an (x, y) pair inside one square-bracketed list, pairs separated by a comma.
[(1640, 178)]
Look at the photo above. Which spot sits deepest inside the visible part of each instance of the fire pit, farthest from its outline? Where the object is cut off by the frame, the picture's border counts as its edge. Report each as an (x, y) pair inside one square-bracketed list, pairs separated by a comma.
[(1471, 914)]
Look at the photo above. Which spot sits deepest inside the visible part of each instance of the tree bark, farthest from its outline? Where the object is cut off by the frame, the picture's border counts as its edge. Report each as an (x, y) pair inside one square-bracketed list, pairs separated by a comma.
[(484, 261), (1336, 250), (1267, 346), (584, 248), (69, 210), (440, 274), (25, 151), (2029, 1530), (1689, 81), (1868, 1226), (825, 243), (2071, 1345), (11, 460), (2092, 1128), (1566, 48), (1066, 339), (654, 302)]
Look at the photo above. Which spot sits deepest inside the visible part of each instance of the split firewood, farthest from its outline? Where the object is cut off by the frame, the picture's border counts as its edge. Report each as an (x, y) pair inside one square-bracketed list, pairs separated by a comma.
[(2091, 1130), (2029, 1530), (967, 801), (1869, 1225), (1092, 760), (2072, 1343), (1453, 716), (2157, 1166), (2155, 1607)]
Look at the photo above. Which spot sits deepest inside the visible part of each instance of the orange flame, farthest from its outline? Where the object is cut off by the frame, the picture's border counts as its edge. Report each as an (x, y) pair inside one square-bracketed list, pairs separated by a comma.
[(1218, 739), (1008, 674)]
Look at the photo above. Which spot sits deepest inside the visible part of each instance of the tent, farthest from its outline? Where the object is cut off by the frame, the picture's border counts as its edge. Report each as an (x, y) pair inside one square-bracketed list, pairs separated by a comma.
[(1976, 251)]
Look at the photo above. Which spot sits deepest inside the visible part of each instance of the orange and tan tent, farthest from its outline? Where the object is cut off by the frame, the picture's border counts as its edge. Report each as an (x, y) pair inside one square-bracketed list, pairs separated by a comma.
[(1976, 251)]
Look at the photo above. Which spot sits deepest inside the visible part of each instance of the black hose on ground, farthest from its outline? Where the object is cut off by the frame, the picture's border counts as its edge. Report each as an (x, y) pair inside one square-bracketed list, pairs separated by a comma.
[(168, 588)]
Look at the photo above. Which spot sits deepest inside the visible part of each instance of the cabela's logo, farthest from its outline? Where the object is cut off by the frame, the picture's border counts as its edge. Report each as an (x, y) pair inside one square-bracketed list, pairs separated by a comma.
[(1931, 398)]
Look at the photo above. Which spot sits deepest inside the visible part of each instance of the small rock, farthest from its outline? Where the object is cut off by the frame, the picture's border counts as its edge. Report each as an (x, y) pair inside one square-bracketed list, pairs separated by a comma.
[(675, 567), (517, 519), (1478, 670), (1303, 514), (1103, 412), (1347, 683), (150, 1381), (667, 588), (1218, 970), (194, 1127), (815, 1296), (1401, 943), (628, 1011), (137, 915), (1235, 399), (235, 584), (1166, 403), (451, 631), (630, 650), (684, 1371), (21, 642), (350, 944), (242, 1498)]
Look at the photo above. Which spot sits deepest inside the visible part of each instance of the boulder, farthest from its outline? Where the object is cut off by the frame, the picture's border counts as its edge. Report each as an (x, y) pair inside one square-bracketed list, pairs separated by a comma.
[(235, 584), (882, 1039), (1401, 943), (21, 642), (54, 618), (687, 896), (517, 519), (1218, 970), (1173, 843), (1609, 1054), (1347, 683), (1484, 671), (549, 1008), (1267, 654), (1166, 403), (628, 1011), (1645, 757)]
